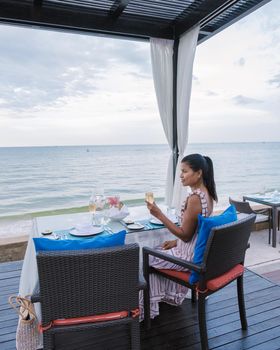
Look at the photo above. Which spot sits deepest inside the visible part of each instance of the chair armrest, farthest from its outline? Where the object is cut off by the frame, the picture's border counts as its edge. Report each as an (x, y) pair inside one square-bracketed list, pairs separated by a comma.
[(142, 282), (184, 263), (35, 298), (265, 211)]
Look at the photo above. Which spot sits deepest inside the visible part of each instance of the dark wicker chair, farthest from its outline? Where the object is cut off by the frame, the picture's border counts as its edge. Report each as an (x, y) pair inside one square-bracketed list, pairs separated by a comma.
[(76, 284), (222, 263), (263, 215)]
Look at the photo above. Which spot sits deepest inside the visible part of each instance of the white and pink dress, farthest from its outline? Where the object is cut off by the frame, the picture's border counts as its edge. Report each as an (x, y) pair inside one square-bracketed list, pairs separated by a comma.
[(165, 290)]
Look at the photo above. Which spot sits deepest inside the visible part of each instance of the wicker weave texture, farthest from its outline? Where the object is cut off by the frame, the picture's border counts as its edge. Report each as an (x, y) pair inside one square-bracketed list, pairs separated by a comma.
[(227, 246), (82, 283)]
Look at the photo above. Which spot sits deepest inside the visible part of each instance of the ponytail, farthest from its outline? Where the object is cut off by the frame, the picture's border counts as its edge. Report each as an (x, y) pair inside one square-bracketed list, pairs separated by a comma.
[(208, 178)]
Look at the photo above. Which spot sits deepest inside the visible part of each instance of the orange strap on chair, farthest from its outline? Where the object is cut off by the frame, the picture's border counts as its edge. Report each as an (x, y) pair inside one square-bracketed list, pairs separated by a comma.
[(88, 319), (201, 291), (135, 313)]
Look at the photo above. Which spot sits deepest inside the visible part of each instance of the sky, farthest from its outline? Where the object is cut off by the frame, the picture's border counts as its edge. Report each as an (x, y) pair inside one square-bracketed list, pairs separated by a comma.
[(58, 88)]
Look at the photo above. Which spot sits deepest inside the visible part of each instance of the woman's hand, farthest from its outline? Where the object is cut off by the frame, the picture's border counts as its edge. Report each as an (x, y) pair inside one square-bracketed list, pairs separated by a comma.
[(154, 209), (169, 244)]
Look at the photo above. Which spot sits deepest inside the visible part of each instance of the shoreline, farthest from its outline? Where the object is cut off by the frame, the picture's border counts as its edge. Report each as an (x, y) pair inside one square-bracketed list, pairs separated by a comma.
[(15, 227), (71, 210)]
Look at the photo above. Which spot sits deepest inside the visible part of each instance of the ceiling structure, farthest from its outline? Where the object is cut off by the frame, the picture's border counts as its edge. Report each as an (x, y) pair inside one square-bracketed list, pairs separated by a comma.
[(135, 19)]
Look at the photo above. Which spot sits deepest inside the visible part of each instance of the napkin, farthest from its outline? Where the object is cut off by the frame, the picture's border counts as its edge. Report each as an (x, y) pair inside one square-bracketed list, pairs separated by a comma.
[(116, 214)]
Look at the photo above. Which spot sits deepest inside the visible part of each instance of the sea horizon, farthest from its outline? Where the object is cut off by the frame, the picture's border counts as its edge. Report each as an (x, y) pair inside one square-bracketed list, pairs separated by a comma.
[(139, 144)]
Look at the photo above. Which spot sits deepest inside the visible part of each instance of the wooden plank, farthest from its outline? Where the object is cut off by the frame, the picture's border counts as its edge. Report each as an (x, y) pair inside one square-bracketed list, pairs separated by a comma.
[(10, 345), (9, 274), (262, 332), (273, 344), (10, 289), (6, 315), (266, 295), (8, 327), (11, 266)]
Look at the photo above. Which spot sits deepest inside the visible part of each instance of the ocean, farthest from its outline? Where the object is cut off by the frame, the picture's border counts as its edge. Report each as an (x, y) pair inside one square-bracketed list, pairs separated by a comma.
[(47, 179)]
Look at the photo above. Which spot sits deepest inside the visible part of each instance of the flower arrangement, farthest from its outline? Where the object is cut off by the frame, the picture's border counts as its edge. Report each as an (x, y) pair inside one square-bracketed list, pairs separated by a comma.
[(118, 210), (114, 201)]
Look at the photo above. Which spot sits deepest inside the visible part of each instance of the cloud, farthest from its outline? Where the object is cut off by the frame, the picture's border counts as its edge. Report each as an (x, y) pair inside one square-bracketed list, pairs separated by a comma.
[(241, 61), (65, 88), (41, 67), (275, 80), (244, 100), (211, 93)]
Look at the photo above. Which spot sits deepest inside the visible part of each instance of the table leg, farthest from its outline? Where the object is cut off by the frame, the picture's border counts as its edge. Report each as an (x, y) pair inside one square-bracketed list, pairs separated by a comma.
[(274, 226)]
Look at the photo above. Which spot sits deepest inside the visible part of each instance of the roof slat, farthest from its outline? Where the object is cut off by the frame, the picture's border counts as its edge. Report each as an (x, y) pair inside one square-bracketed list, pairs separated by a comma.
[(139, 19)]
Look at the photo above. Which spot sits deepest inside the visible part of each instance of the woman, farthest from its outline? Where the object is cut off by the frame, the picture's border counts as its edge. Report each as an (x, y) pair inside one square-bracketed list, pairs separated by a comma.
[(196, 172)]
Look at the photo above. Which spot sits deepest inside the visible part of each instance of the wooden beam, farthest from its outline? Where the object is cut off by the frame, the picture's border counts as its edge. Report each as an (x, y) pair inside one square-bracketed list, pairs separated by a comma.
[(118, 7), (37, 9), (198, 13), (73, 19), (217, 12), (228, 23)]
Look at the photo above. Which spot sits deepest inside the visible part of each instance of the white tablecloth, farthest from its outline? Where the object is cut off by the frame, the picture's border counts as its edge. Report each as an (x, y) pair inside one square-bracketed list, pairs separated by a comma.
[(29, 274)]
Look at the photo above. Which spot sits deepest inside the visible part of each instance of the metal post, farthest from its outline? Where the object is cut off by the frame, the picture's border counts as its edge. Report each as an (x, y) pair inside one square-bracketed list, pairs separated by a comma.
[(175, 149)]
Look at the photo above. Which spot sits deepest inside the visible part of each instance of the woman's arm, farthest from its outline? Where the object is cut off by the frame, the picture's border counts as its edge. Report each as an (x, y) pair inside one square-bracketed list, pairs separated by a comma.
[(189, 220)]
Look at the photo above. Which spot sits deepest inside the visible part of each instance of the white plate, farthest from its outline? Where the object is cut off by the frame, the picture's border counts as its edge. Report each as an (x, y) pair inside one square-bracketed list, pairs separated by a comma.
[(47, 232), (136, 226), (156, 221), (128, 221), (84, 233)]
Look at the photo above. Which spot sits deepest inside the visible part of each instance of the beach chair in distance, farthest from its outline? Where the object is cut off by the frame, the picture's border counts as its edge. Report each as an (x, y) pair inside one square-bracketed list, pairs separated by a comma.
[(222, 264), (101, 283), (263, 215)]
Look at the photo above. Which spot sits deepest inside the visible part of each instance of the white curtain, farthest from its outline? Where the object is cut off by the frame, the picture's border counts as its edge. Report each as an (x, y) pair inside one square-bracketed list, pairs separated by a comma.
[(186, 52), (162, 66)]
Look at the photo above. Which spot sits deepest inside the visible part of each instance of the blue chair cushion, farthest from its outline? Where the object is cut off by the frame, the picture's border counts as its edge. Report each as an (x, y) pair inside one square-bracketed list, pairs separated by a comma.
[(100, 241), (205, 226)]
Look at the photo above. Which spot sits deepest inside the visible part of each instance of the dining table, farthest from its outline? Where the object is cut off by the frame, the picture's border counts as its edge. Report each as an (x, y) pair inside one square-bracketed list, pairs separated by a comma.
[(272, 200), (150, 234)]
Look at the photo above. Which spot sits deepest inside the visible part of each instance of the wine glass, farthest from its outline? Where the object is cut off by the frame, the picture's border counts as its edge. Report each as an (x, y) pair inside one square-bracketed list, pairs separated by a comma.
[(96, 204), (106, 211), (149, 197)]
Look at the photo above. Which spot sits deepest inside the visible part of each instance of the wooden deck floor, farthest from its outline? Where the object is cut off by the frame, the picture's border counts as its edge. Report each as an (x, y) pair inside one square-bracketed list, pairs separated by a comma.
[(177, 327)]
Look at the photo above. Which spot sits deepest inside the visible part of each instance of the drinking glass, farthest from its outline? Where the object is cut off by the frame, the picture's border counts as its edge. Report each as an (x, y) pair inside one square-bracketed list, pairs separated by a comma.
[(96, 204), (149, 197), (106, 211)]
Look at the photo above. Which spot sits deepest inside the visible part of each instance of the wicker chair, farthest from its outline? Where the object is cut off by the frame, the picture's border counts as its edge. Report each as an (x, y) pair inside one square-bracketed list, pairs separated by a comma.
[(222, 263), (263, 215), (76, 284)]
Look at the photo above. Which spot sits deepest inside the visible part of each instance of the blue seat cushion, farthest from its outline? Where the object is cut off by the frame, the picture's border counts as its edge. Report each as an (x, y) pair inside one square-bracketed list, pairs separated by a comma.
[(205, 226), (100, 241)]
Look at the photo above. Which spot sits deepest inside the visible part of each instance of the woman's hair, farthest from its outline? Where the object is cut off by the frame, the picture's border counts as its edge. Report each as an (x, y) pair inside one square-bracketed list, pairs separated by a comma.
[(198, 162)]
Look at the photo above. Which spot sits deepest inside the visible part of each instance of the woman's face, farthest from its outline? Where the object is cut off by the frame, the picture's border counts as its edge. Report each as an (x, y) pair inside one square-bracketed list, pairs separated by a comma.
[(189, 177)]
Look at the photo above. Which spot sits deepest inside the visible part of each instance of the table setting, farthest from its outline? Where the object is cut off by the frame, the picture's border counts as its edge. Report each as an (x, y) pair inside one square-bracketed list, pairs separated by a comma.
[(109, 215)]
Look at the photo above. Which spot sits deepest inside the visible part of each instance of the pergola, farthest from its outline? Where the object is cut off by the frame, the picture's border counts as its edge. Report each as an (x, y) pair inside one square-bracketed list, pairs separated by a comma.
[(136, 20)]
